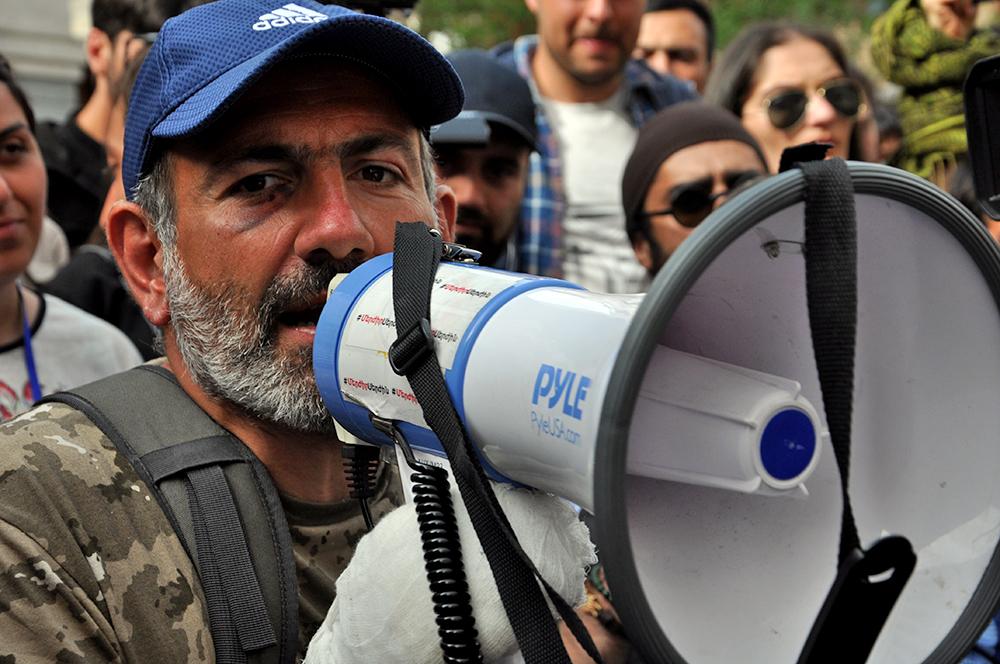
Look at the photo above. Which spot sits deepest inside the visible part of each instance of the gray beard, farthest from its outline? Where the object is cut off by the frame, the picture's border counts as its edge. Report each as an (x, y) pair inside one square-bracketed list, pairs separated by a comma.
[(228, 345)]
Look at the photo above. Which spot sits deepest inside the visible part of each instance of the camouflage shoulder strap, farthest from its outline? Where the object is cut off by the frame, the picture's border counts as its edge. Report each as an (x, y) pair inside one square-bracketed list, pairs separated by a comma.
[(220, 501)]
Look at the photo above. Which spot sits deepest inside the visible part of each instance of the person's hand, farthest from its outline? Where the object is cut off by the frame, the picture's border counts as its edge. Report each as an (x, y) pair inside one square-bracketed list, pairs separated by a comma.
[(383, 610), (601, 620), (955, 18)]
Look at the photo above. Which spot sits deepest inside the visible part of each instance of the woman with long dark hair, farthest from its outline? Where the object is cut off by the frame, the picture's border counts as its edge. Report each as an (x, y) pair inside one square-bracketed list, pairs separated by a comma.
[(45, 343), (789, 85)]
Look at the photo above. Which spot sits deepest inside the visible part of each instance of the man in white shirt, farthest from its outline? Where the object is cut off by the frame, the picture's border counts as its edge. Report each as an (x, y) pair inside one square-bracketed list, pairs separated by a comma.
[(590, 100)]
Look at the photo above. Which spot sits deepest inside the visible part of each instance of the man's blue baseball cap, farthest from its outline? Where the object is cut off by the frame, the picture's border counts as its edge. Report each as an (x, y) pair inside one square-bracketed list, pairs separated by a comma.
[(203, 59)]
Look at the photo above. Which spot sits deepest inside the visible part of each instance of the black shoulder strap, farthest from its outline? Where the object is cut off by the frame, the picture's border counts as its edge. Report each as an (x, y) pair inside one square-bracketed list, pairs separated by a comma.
[(220, 501)]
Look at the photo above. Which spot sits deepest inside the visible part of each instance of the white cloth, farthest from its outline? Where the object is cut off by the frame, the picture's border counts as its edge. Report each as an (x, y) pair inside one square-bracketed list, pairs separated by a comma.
[(595, 141), (71, 348), (383, 610), (51, 253)]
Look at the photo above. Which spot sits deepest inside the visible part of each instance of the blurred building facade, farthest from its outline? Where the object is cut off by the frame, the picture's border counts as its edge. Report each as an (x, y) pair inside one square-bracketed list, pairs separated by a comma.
[(43, 39)]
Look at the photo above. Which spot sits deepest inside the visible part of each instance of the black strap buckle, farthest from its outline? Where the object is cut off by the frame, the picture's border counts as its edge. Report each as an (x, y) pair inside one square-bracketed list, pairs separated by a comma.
[(459, 253), (411, 347)]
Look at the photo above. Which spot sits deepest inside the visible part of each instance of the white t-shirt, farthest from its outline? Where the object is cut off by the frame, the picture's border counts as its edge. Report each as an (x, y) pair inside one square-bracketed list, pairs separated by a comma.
[(70, 347), (595, 140)]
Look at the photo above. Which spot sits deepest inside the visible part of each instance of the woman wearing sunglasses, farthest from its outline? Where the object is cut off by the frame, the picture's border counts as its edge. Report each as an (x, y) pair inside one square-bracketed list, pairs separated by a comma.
[(789, 85)]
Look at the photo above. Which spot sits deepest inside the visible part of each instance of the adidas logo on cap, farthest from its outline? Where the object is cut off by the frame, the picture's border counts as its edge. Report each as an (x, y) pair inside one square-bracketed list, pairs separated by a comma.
[(286, 15)]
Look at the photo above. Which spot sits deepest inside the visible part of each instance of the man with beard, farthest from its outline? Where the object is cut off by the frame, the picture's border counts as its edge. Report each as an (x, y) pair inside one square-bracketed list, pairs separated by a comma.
[(268, 148), (688, 161), (590, 100), (483, 155)]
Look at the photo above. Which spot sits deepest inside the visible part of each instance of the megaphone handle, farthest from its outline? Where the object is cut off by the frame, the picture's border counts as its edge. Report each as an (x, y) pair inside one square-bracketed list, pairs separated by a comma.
[(417, 254), (867, 587), (361, 464)]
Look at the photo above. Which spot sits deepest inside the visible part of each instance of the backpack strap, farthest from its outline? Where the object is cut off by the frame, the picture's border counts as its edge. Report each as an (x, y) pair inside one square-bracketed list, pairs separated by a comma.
[(220, 501)]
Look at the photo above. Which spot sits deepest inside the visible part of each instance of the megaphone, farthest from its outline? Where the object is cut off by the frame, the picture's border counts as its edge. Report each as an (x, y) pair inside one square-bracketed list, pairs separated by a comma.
[(691, 421), (744, 430)]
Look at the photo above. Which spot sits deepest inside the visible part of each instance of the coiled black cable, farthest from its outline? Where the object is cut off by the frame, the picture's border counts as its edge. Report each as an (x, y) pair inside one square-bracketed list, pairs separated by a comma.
[(442, 554), (361, 467), (443, 560)]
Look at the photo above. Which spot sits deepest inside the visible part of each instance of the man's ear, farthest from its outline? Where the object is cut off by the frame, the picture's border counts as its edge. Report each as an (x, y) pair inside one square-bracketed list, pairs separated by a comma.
[(98, 52), (643, 252), (532, 6), (139, 255), (446, 208)]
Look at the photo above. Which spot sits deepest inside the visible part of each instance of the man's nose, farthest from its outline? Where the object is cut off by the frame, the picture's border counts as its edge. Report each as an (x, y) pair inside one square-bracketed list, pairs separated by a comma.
[(330, 226), (6, 192), (720, 190), (660, 61), (597, 10), (467, 189)]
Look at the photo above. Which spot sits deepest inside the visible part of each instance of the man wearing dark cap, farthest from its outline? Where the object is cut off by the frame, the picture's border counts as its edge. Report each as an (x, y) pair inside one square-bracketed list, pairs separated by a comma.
[(687, 160), (483, 155), (269, 146)]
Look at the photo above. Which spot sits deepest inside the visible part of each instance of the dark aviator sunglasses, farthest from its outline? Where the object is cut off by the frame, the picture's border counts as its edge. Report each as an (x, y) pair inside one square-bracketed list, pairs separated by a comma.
[(691, 202), (787, 107)]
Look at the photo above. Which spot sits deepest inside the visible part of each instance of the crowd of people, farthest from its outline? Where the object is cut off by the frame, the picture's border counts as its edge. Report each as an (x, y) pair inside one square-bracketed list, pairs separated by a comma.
[(192, 211)]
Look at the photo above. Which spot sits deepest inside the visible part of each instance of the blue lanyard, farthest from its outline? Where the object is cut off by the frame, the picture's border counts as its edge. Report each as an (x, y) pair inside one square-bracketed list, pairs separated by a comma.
[(29, 357)]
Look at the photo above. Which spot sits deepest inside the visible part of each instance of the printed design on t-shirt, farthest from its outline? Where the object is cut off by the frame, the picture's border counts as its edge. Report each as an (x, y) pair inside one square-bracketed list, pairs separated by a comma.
[(12, 403)]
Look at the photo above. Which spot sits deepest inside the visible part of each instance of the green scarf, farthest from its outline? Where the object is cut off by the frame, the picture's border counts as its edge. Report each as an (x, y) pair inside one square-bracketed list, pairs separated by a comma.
[(930, 67)]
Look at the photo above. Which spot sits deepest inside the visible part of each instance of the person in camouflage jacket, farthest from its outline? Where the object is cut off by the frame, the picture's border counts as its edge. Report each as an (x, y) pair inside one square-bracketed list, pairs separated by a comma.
[(927, 47), (91, 570), (243, 216)]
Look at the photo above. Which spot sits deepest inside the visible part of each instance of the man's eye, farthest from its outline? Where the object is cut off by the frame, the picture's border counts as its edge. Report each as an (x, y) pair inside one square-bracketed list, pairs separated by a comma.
[(684, 55), (376, 174), (500, 170), (12, 149), (446, 164), (256, 183)]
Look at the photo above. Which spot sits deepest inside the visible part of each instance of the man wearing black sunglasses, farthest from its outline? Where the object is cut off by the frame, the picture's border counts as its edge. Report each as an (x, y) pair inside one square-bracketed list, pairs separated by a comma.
[(688, 159)]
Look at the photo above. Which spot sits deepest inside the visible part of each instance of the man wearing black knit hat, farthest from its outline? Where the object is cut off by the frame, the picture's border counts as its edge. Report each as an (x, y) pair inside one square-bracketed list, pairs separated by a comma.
[(687, 160)]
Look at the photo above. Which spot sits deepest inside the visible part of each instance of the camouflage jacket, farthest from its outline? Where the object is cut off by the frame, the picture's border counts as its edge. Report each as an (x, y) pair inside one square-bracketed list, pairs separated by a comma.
[(90, 569)]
